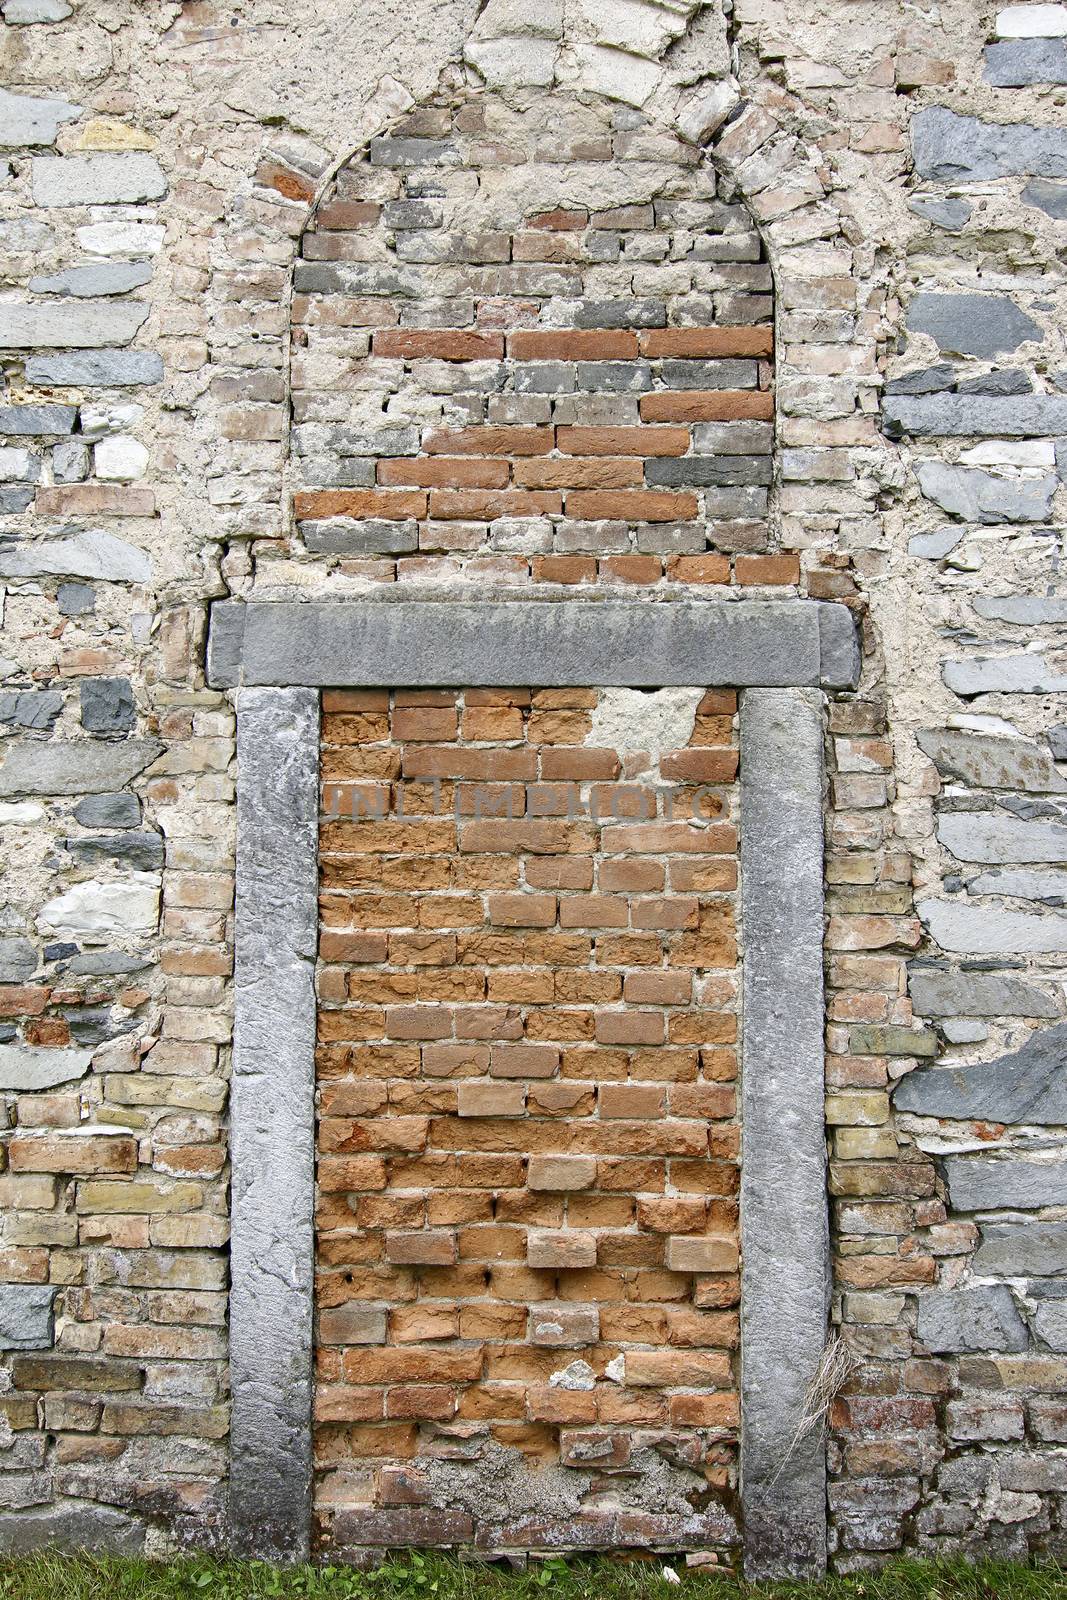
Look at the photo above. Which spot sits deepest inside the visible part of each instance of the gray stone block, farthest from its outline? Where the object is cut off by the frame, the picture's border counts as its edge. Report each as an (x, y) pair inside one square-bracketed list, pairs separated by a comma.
[(624, 313), (1036, 416), (784, 1235), (372, 537), (1005, 381), (19, 13), (30, 708), (952, 215), (972, 324), (71, 1528), (23, 420), (1050, 1325), (313, 277), (955, 149), (92, 323), (840, 661), (311, 439), (545, 377), (1048, 887), (25, 120), (99, 278), (710, 374), (86, 766), (96, 369), (433, 643), (976, 496), (273, 1123), (614, 377), (125, 178), (983, 1318), (106, 963), (30, 1068), (1014, 63), (702, 471), (390, 152), (1026, 610), (1017, 1250), (1023, 674), (987, 1183), (924, 380), (121, 810), (92, 554), (18, 959), (1051, 198), (70, 462), (1026, 1086), (141, 852), (1057, 739), (107, 705), (995, 837), (14, 500), (733, 438), (75, 599), (971, 929), (990, 762), (934, 546), (25, 1316)]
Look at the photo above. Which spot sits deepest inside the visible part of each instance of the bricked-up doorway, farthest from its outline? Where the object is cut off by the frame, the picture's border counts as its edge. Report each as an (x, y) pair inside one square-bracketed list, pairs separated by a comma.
[(803, 648), (528, 1147)]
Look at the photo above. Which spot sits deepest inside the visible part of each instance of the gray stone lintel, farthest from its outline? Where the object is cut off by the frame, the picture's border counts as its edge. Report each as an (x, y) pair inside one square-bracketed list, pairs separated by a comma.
[(272, 1119), (785, 1281), (435, 644)]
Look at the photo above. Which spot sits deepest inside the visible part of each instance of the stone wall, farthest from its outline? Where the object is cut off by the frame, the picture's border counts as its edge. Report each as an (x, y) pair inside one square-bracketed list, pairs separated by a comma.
[(163, 168)]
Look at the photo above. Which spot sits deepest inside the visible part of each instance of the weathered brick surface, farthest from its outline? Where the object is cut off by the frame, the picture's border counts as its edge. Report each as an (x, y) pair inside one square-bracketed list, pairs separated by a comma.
[(531, 1025)]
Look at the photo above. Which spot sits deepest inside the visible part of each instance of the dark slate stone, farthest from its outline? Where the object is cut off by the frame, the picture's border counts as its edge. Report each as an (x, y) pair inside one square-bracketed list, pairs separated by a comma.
[(985, 1318), (1017, 1249), (954, 149), (1027, 1086), (971, 324), (952, 215), (91, 1025), (96, 369), (142, 852), (1008, 381), (73, 1528), (314, 277), (544, 377), (702, 471), (18, 960), (926, 380), (371, 537), (75, 599), (991, 1183), (107, 705), (59, 952), (615, 377), (621, 314), (1048, 197), (49, 420), (710, 374), (107, 964), (15, 498), (30, 708), (7, 1033), (1014, 63), (121, 810), (1034, 416)]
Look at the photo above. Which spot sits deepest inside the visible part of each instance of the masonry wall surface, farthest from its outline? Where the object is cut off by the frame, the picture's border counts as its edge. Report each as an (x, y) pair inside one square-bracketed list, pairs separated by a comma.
[(165, 171)]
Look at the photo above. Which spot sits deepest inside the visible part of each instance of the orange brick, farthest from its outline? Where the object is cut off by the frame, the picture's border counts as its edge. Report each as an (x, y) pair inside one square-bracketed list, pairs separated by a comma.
[(572, 344), (489, 441), (88, 1154), (635, 441), (767, 569), (391, 505), (524, 1061), (630, 1027), (632, 1100), (633, 505), (602, 472), (702, 1254), (709, 568), (422, 1402), (560, 1250), (707, 405), (438, 344), (707, 342), (522, 910), (484, 504), (492, 1099)]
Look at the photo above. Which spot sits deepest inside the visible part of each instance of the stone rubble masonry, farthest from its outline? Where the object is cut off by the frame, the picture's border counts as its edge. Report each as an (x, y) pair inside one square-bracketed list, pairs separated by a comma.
[(870, 162), (527, 1222)]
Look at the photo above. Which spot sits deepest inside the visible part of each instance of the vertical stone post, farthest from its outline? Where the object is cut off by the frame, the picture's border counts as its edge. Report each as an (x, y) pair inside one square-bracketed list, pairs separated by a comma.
[(272, 1120), (785, 1281)]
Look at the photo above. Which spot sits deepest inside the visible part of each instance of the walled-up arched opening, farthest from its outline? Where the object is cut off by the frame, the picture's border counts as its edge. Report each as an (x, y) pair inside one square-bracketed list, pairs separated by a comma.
[(532, 347), (533, 342)]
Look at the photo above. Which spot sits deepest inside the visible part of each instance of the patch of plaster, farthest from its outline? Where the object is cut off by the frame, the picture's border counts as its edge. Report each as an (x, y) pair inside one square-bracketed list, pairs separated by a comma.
[(631, 720)]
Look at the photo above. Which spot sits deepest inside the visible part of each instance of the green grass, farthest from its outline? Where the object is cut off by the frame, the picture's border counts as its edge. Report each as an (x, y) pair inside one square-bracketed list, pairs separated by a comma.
[(431, 1577)]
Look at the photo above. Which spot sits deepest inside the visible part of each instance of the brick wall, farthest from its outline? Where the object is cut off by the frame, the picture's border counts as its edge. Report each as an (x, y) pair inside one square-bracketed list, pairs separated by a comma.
[(528, 1146)]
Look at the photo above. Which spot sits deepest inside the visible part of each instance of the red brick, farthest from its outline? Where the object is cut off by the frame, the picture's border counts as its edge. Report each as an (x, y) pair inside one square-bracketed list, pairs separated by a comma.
[(440, 344), (393, 506), (485, 504), (576, 472), (572, 344), (488, 441), (445, 472), (767, 569), (633, 505), (707, 405), (707, 342), (635, 441)]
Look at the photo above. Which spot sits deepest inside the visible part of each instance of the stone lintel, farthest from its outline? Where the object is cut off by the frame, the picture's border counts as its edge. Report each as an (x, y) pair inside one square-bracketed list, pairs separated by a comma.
[(272, 1122), (435, 644), (785, 1281)]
